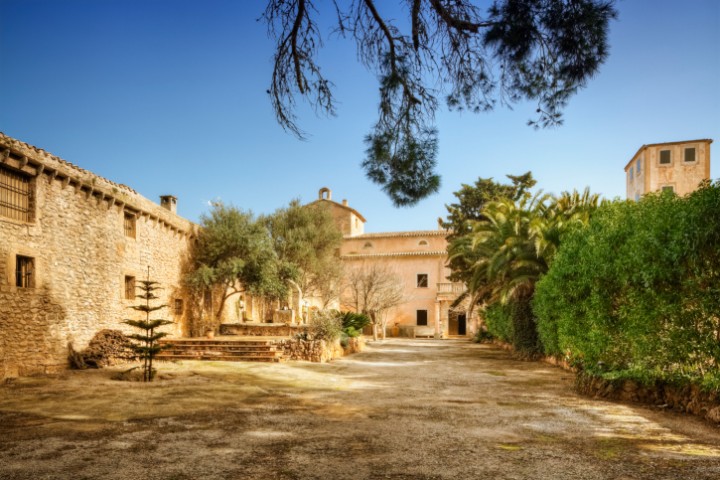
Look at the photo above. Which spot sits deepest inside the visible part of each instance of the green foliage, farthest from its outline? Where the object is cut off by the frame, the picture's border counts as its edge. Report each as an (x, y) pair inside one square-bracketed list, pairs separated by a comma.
[(234, 253), (510, 248), (525, 338), (471, 199), (325, 325), (145, 344), (403, 164), (305, 239), (498, 319), (354, 322), (639, 289)]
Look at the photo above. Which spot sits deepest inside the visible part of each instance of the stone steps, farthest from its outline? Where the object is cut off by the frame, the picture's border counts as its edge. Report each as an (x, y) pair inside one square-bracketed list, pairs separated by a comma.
[(221, 350)]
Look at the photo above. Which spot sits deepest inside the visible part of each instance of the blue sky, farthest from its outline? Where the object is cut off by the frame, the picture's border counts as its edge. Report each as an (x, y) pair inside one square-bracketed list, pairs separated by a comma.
[(168, 97)]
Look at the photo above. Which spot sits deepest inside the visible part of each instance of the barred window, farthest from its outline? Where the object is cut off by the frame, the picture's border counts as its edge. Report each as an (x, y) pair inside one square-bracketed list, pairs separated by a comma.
[(129, 224), (24, 272), (16, 195), (179, 307), (129, 287)]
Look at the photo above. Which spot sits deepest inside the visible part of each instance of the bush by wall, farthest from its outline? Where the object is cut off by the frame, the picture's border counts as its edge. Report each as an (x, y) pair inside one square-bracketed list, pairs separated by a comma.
[(498, 320), (636, 294)]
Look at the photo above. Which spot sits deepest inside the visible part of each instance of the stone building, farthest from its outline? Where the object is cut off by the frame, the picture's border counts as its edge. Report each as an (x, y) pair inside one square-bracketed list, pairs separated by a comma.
[(418, 258), (72, 247), (674, 166)]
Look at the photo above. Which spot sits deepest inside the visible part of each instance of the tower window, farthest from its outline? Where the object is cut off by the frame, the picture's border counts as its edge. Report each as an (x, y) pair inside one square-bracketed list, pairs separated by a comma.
[(690, 154), (665, 157)]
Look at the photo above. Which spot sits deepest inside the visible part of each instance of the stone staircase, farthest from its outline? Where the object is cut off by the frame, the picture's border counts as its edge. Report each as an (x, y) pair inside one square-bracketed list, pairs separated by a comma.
[(223, 350)]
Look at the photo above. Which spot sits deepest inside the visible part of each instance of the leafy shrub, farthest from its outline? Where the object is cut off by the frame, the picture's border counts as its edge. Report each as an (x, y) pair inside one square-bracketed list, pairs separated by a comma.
[(638, 291), (352, 321), (499, 322), (325, 325)]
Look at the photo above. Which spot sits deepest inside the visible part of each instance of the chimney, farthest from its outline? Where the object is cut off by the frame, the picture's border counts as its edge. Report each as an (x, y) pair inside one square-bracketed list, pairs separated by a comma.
[(345, 202), (169, 202)]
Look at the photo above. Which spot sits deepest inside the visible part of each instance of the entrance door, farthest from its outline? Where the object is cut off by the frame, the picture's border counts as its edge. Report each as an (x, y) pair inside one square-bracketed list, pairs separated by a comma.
[(462, 324)]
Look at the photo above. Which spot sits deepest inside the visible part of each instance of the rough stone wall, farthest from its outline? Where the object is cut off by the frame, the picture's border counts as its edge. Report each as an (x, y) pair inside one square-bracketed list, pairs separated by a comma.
[(319, 351), (81, 257)]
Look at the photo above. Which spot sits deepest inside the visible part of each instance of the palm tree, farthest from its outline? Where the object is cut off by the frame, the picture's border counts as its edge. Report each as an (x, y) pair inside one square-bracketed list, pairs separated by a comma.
[(513, 247)]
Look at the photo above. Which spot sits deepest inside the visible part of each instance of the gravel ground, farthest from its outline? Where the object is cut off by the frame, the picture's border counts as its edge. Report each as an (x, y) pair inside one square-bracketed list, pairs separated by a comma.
[(403, 409)]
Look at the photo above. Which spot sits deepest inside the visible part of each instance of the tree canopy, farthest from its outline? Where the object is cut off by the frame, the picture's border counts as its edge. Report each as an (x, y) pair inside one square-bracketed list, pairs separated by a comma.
[(536, 50), (306, 240), (234, 253)]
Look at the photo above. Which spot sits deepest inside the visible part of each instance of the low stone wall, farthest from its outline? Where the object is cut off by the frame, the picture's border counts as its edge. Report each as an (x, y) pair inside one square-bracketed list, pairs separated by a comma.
[(687, 399), (318, 350), (261, 329)]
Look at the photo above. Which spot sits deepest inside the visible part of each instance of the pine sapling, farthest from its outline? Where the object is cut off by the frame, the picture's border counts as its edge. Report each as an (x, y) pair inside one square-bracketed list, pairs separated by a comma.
[(146, 343)]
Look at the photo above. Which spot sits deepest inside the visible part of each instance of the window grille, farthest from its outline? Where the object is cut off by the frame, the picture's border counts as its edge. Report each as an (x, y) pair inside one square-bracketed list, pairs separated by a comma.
[(422, 280), (25, 272), (129, 225), (16, 196)]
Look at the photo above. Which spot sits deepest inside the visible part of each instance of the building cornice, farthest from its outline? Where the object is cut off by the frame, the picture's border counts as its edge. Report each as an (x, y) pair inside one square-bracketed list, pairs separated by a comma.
[(664, 144), (38, 162), (415, 233), (361, 256)]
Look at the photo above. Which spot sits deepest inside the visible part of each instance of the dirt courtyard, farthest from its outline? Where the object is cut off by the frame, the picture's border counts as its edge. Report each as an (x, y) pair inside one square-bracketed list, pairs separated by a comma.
[(403, 409)]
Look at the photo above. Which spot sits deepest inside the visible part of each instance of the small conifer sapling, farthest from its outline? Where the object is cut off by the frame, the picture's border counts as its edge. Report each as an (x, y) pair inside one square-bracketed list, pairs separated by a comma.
[(145, 343)]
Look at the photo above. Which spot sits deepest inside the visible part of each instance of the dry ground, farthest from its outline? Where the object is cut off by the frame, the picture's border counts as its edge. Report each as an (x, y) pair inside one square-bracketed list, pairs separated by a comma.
[(401, 410)]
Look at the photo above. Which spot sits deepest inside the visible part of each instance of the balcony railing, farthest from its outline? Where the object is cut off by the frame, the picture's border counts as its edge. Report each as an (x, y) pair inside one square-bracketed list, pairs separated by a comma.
[(455, 288)]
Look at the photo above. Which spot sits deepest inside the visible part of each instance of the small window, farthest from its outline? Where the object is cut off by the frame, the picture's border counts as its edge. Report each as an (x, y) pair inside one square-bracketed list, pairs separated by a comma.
[(129, 224), (630, 174), (16, 196), (129, 287), (638, 166), (637, 197), (422, 317), (690, 155), (422, 280), (24, 272), (423, 243), (668, 188), (367, 245), (179, 307), (665, 157)]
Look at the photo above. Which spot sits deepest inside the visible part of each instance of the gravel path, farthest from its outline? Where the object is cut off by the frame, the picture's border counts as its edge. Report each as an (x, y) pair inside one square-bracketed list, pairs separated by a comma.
[(402, 409)]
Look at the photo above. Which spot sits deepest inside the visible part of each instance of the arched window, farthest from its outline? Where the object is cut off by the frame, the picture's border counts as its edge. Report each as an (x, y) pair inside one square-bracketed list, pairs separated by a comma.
[(368, 245), (423, 243)]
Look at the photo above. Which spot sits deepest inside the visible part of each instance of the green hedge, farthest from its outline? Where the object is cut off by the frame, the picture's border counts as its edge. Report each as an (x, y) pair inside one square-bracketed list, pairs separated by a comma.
[(498, 320), (637, 292)]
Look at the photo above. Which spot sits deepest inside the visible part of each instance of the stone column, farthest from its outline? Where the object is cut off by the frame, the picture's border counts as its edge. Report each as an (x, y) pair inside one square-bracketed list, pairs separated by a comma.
[(438, 327)]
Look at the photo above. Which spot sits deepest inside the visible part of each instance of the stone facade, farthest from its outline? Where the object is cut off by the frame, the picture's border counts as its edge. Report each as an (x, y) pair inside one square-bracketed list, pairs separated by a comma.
[(65, 266), (677, 166)]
